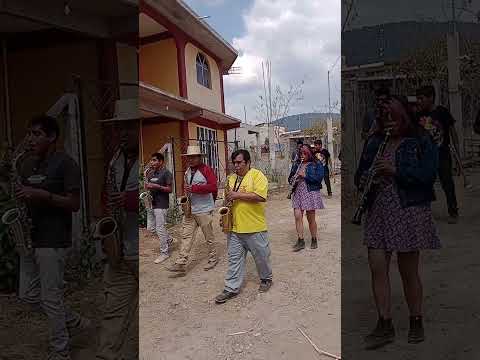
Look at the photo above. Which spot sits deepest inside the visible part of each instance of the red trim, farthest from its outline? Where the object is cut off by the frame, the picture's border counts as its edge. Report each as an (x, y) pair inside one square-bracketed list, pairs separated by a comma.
[(108, 68), (155, 38), (180, 41), (221, 91), (212, 124)]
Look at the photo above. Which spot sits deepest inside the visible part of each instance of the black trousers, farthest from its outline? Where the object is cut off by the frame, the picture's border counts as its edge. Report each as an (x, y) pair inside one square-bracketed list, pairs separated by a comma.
[(326, 179), (445, 175)]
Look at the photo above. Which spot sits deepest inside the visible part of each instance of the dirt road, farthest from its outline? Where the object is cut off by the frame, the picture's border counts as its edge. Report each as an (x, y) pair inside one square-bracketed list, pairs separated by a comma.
[(451, 292), (180, 321)]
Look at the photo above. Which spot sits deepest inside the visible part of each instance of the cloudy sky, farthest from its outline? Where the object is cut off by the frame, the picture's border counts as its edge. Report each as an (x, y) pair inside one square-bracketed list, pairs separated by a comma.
[(301, 38)]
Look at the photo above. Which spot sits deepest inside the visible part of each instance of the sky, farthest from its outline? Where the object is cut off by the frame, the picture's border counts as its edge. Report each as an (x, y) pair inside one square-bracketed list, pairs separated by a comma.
[(301, 39)]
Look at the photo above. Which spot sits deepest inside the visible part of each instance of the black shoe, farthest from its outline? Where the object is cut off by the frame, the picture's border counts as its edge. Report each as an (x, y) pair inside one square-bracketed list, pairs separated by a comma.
[(265, 285), (300, 245), (314, 244), (416, 334), (383, 334), (224, 297), (453, 219)]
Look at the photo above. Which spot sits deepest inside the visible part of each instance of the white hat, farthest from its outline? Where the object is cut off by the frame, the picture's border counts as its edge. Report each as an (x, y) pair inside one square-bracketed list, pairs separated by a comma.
[(193, 150), (125, 109)]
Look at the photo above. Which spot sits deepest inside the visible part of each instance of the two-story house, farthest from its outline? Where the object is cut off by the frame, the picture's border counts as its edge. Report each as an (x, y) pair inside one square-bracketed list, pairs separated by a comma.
[(182, 61)]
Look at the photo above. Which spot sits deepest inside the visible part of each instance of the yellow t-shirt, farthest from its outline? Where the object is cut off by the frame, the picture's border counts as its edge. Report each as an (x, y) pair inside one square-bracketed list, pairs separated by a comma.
[(249, 217)]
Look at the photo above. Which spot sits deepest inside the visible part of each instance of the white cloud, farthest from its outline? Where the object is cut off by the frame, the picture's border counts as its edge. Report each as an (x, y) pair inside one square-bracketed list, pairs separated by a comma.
[(301, 39)]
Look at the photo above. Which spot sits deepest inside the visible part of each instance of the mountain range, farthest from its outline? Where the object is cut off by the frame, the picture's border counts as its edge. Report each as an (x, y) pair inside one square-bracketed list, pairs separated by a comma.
[(306, 120)]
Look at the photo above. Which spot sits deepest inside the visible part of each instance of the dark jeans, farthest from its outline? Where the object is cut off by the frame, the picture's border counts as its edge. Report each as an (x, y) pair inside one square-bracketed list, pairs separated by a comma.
[(326, 179), (446, 180)]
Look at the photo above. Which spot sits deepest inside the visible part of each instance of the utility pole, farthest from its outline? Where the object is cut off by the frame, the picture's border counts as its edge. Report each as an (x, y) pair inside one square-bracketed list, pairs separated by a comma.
[(330, 120), (454, 79)]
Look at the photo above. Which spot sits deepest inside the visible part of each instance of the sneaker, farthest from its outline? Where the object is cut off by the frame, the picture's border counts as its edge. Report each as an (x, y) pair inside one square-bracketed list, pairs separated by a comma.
[(211, 264), (177, 267), (265, 285), (224, 297), (383, 334), (329, 195), (161, 258), (170, 241), (416, 334), (82, 326), (314, 244)]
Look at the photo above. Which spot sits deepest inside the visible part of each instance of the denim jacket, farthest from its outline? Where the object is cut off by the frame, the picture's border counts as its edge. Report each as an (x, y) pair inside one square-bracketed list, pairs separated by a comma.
[(313, 175), (416, 163)]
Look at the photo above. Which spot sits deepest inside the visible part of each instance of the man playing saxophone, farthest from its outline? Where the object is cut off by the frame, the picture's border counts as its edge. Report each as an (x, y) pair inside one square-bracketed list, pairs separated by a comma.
[(160, 186), (50, 185), (249, 188), (201, 189), (121, 275)]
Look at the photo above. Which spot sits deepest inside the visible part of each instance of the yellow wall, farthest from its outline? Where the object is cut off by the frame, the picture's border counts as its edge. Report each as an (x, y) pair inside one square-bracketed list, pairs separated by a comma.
[(209, 98), (192, 133), (158, 65), (155, 134)]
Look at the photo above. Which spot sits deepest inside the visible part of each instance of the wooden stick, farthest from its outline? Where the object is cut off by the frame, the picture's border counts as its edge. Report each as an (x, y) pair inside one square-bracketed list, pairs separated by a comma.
[(321, 352)]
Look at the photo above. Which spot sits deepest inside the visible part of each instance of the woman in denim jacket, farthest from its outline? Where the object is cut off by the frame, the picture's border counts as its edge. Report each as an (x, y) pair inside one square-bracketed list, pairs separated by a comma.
[(399, 218), (306, 197)]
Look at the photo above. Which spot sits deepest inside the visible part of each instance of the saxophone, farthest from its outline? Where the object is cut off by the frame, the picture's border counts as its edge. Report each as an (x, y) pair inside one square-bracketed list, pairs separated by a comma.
[(369, 184), (185, 202), (146, 196), (294, 182), (108, 229), (18, 222), (225, 212)]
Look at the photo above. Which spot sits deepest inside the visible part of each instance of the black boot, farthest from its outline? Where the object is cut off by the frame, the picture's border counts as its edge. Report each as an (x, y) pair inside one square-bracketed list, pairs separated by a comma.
[(300, 245), (314, 244), (383, 334), (416, 334)]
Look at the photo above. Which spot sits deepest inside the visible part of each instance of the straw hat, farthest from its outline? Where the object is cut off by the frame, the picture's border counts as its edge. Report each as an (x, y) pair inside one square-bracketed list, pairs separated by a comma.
[(193, 150), (125, 109)]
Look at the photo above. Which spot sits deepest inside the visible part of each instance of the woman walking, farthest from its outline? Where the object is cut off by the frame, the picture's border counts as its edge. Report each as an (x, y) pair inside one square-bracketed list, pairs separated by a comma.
[(306, 177), (399, 218)]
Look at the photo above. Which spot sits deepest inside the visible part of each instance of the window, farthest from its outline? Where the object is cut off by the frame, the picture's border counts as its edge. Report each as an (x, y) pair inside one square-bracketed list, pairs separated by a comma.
[(207, 139), (203, 71)]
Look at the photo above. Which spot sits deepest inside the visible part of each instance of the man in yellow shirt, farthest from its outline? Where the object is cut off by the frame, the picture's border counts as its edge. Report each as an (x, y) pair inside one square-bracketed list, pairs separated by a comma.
[(249, 188)]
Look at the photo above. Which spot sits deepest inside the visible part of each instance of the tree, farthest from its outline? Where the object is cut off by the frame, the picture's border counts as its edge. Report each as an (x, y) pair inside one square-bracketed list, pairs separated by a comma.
[(351, 13), (317, 130), (274, 105)]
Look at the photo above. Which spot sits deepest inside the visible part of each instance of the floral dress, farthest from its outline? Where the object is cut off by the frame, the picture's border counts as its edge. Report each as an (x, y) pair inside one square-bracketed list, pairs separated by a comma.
[(391, 227), (306, 200)]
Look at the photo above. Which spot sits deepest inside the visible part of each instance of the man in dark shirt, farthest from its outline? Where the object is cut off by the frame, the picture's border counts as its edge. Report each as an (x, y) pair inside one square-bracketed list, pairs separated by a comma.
[(160, 186), (382, 94), (320, 150), (296, 153), (51, 189), (440, 124)]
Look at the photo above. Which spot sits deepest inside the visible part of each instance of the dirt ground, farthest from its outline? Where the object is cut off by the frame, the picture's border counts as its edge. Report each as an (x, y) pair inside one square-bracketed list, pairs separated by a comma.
[(180, 320), (451, 292)]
